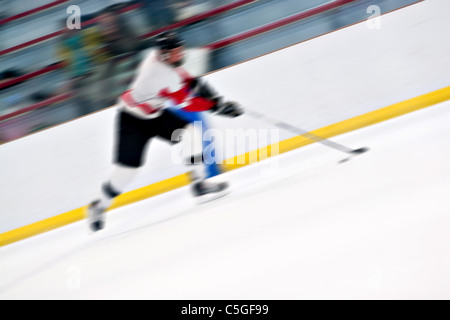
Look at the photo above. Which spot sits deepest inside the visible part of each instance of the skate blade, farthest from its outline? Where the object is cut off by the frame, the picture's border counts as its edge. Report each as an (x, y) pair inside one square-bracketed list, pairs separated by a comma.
[(212, 196)]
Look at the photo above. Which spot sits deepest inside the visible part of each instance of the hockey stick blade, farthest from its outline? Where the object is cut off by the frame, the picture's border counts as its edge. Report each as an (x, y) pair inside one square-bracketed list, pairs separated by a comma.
[(360, 150), (355, 153)]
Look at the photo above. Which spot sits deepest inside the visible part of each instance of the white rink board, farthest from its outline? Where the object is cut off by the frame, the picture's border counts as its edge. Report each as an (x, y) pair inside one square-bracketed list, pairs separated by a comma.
[(313, 84)]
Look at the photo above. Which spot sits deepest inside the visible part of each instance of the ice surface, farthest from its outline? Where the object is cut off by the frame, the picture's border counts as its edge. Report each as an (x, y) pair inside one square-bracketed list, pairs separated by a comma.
[(299, 226)]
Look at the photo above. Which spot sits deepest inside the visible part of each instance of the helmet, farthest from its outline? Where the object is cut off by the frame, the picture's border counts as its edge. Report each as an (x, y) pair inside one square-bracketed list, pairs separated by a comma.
[(168, 40)]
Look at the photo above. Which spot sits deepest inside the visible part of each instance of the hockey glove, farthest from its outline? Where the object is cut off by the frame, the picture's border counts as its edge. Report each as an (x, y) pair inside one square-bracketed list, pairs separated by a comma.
[(229, 109)]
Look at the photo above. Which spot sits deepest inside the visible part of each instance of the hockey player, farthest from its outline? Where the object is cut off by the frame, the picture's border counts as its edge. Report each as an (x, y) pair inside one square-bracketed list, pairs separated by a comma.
[(143, 114)]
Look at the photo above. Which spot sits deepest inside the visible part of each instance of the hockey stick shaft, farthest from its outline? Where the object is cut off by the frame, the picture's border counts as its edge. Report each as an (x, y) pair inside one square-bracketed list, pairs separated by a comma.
[(306, 134)]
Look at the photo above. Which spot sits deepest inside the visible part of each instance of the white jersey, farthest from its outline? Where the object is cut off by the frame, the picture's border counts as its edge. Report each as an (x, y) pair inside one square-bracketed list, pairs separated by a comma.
[(152, 87)]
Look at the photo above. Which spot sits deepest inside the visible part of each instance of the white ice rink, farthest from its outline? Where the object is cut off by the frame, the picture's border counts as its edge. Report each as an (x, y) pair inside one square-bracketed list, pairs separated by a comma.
[(377, 227)]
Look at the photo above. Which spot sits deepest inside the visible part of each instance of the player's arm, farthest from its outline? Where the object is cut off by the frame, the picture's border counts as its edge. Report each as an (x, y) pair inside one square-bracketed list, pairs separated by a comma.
[(218, 106)]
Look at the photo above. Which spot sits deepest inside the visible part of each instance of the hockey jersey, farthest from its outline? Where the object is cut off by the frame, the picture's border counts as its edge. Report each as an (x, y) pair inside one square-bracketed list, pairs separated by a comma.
[(155, 84)]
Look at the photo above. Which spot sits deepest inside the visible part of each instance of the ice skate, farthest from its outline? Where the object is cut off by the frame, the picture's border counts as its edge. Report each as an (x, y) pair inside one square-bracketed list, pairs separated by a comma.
[(206, 191), (96, 216)]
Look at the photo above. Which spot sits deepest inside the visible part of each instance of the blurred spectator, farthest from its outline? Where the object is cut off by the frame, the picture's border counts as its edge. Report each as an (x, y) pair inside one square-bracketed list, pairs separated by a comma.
[(8, 75), (116, 36), (119, 43), (80, 51), (92, 57)]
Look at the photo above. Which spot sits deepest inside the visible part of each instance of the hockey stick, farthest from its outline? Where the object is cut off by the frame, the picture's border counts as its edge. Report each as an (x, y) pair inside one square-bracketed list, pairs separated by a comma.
[(309, 135)]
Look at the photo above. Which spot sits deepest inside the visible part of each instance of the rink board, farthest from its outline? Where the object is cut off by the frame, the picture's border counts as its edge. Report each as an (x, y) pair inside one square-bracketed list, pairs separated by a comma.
[(179, 181)]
